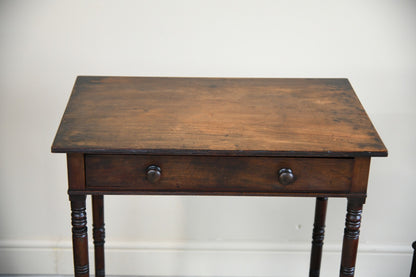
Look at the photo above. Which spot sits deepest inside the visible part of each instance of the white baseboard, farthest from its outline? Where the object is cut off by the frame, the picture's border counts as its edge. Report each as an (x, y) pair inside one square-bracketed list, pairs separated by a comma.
[(202, 259)]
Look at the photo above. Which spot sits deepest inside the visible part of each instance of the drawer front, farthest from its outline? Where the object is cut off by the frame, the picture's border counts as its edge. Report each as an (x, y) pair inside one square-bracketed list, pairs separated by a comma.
[(216, 175)]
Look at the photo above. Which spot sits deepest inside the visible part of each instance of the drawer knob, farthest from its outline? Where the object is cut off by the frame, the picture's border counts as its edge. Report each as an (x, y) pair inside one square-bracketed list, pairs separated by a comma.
[(286, 176), (153, 173)]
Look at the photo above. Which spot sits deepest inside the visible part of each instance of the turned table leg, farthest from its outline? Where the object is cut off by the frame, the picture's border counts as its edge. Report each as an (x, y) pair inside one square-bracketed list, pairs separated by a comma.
[(318, 236), (98, 233), (79, 235), (351, 236), (413, 268)]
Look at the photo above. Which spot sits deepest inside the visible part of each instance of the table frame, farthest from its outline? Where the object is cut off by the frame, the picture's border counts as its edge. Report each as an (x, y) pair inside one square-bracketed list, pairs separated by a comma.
[(77, 197), (216, 136)]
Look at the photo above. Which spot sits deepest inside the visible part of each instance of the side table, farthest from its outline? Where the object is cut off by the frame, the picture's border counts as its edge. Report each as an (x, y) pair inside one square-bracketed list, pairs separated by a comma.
[(216, 136)]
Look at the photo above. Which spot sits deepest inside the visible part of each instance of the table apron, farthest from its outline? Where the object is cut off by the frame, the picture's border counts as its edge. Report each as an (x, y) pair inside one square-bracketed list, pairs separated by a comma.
[(218, 175)]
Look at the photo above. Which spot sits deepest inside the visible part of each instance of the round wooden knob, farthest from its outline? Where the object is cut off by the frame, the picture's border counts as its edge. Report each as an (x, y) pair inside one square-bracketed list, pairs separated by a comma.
[(286, 176), (153, 173)]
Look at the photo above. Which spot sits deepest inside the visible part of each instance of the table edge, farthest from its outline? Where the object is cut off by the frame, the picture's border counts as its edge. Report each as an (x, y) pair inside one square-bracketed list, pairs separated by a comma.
[(202, 152)]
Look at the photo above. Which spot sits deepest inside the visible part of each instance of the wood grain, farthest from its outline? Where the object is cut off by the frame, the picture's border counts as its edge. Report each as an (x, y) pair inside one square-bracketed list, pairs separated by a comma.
[(76, 171), (195, 174), (360, 174), (216, 116)]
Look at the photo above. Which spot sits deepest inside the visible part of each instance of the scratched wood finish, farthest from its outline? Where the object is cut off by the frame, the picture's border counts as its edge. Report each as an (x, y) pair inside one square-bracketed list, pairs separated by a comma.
[(216, 116), (217, 174)]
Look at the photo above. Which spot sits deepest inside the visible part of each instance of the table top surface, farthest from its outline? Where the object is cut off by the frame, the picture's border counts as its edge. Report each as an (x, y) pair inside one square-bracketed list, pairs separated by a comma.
[(216, 116)]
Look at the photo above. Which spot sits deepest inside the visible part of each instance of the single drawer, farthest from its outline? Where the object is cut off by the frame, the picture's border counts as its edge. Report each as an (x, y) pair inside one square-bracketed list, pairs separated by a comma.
[(217, 174)]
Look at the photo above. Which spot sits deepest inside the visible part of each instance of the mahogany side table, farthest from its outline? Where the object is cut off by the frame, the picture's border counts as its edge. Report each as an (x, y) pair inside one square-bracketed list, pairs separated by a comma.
[(216, 136)]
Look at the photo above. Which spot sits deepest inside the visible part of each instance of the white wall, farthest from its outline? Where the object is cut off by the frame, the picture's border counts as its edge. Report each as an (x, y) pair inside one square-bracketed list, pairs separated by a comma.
[(45, 44)]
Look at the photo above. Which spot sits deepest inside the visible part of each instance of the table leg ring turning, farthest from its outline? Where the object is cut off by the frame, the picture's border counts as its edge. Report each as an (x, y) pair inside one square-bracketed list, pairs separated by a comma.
[(79, 235), (351, 236), (255, 137), (318, 236)]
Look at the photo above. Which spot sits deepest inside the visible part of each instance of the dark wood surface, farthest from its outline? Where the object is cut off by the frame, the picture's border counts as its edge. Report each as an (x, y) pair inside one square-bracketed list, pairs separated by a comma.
[(79, 235), (217, 174), (216, 116), (274, 137), (413, 267), (351, 236), (76, 171), (318, 236), (98, 232)]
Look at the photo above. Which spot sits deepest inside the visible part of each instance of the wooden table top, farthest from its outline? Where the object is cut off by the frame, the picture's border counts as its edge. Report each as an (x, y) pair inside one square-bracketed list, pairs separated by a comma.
[(216, 116)]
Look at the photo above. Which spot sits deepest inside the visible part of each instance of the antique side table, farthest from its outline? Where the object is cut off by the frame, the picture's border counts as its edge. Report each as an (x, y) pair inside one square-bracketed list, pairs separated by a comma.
[(216, 136)]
